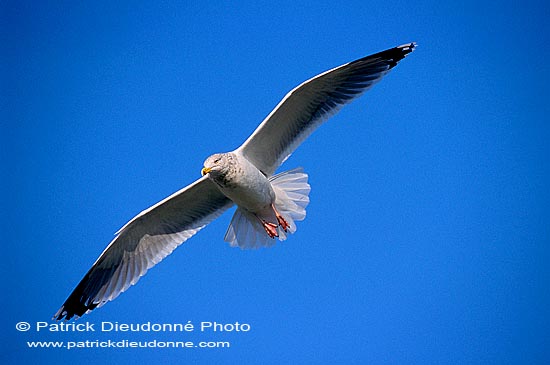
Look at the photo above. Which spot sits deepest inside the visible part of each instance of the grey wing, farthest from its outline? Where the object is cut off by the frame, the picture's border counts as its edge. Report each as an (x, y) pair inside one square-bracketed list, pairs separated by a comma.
[(308, 105), (143, 242)]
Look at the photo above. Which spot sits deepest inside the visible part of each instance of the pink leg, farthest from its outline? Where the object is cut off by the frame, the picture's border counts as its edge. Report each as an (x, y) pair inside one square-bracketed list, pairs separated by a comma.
[(270, 228), (282, 222)]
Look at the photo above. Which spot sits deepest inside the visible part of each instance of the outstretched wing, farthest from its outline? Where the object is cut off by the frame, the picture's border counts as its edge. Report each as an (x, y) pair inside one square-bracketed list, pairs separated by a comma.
[(307, 106), (143, 242)]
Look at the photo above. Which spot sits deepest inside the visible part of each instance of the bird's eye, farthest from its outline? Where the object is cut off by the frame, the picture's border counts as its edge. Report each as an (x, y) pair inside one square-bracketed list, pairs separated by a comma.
[(217, 160)]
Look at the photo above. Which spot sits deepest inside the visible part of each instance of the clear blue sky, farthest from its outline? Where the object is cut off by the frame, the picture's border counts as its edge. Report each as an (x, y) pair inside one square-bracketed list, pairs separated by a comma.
[(427, 237)]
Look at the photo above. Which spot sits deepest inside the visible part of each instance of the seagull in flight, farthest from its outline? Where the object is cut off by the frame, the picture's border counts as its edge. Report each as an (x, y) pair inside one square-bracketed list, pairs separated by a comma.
[(268, 205)]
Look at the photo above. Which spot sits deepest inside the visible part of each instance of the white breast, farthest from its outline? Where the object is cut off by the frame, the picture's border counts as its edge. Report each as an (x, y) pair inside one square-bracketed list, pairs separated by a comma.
[(248, 187)]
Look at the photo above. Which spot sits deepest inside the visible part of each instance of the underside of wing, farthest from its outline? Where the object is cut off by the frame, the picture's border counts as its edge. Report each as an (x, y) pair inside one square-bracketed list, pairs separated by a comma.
[(143, 242), (304, 108)]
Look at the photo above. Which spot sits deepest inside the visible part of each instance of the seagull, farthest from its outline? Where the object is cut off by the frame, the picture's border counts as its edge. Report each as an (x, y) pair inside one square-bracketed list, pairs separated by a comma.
[(268, 205)]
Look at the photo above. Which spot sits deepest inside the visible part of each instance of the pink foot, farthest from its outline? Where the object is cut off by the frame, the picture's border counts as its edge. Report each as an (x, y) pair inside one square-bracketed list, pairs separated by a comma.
[(270, 228), (282, 222)]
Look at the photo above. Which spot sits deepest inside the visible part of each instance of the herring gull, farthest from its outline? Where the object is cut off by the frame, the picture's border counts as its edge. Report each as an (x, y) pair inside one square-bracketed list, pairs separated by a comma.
[(268, 205)]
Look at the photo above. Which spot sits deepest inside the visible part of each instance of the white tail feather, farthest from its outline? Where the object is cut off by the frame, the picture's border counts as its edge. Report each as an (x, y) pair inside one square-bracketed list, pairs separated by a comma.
[(292, 197)]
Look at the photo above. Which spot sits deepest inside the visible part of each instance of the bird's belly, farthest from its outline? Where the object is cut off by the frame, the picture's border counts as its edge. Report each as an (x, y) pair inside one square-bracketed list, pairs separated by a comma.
[(253, 193)]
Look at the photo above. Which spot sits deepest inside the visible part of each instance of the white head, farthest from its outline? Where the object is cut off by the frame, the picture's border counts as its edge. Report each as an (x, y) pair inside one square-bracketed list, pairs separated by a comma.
[(217, 165)]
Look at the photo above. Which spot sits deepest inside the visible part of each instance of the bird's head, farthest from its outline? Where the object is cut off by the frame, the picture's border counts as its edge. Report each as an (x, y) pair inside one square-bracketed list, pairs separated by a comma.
[(216, 165)]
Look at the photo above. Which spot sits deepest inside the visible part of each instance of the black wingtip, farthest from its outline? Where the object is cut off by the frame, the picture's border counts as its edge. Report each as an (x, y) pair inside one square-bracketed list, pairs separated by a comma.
[(407, 48), (389, 57), (73, 309), (393, 55), (400, 52), (77, 304)]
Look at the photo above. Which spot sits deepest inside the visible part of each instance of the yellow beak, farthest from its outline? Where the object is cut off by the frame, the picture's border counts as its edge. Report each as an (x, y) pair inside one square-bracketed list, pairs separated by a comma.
[(205, 170)]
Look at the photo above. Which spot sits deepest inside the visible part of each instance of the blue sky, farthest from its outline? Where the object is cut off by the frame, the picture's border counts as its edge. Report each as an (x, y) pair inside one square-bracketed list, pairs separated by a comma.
[(427, 236)]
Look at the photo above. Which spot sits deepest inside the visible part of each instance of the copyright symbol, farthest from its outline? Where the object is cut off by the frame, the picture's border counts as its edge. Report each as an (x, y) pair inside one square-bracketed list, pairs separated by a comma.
[(23, 326)]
